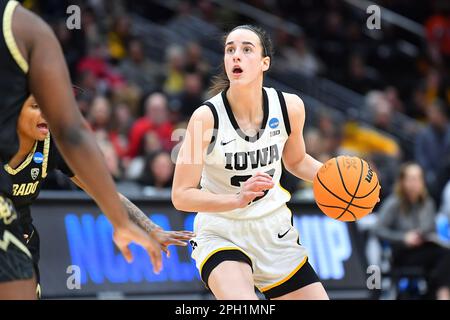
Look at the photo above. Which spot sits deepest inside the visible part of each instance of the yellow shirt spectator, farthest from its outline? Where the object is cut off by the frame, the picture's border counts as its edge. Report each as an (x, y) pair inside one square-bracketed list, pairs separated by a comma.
[(364, 141)]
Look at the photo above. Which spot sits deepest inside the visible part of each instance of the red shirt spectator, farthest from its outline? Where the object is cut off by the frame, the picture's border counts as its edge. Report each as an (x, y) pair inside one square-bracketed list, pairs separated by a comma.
[(100, 118), (155, 120), (438, 33), (96, 63)]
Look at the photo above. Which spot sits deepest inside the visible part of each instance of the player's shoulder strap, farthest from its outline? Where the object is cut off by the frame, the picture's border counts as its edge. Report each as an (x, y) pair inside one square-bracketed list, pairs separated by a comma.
[(7, 11), (213, 109), (46, 154), (284, 111)]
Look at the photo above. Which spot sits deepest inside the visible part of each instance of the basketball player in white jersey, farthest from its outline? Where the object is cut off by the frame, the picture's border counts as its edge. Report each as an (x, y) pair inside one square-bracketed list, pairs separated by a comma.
[(233, 150)]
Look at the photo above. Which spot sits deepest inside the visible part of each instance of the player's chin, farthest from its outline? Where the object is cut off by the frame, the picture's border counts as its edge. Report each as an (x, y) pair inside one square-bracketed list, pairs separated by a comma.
[(238, 81), (40, 135)]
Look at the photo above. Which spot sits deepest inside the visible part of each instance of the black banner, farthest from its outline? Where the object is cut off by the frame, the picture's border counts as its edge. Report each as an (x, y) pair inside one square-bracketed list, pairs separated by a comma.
[(78, 256)]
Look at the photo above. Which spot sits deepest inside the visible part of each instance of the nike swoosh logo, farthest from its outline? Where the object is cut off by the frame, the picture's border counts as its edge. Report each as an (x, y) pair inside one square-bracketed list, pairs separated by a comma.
[(282, 235), (225, 143)]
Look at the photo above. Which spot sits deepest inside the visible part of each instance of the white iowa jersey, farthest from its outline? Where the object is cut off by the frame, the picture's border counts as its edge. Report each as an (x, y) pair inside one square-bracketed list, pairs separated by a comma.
[(233, 157)]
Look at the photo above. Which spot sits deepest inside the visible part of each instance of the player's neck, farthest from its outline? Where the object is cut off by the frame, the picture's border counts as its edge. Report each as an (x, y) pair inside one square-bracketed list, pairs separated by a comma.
[(25, 146), (246, 102)]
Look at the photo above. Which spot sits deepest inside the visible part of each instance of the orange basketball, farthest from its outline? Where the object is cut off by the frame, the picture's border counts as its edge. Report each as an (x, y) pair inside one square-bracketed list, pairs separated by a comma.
[(346, 188)]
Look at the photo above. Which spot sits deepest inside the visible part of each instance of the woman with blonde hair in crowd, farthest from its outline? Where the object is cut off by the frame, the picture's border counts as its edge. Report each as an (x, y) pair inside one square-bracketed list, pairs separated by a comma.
[(407, 221)]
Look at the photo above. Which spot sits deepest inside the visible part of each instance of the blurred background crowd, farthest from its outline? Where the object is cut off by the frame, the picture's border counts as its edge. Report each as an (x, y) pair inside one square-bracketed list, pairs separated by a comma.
[(381, 94)]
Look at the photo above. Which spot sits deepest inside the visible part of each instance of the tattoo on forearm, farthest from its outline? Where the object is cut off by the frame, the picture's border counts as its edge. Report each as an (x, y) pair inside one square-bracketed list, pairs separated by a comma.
[(137, 216)]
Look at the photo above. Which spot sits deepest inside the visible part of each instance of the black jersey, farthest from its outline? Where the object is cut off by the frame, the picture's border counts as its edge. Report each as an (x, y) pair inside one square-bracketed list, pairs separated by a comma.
[(13, 88), (27, 178)]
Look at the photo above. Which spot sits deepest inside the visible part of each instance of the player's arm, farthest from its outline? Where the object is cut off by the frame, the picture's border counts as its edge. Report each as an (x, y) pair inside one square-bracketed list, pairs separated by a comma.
[(165, 238), (186, 195), (295, 158), (50, 84)]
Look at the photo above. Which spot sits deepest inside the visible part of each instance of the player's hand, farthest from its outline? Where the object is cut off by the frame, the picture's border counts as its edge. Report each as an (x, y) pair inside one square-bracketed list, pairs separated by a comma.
[(254, 187), (167, 238), (130, 232), (413, 239)]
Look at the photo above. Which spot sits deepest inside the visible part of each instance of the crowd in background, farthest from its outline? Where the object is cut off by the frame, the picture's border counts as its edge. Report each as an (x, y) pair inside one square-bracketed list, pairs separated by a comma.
[(135, 100), (134, 103)]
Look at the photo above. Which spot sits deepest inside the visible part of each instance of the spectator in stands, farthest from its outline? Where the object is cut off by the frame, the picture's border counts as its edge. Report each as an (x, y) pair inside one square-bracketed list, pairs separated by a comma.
[(155, 120), (118, 37), (100, 114), (158, 170), (442, 182), (438, 36), (332, 42), (90, 28), (445, 204), (363, 141), (393, 98), (360, 77), (433, 82), (417, 105), (191, 97), (97, 63), (138, 70), (300, 58), (382, 110), (174, 78), (407, 222), (195, 62), (382, 113), (332, 134), (102, 121), (433, 145), (124, 119), (87, 80), (314, 142), (111, 159), (72, 43)]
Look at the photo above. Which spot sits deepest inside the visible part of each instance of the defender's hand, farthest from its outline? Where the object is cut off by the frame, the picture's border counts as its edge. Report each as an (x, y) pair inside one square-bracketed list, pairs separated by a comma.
[(166, 238), (130, 232)]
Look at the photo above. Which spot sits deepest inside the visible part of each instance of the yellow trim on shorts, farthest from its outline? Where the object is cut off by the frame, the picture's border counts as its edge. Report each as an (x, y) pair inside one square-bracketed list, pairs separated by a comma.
[(220, 249), (24, 164), (283, 189), (285, 279), (9, 37), (38, 291), (8, 238)]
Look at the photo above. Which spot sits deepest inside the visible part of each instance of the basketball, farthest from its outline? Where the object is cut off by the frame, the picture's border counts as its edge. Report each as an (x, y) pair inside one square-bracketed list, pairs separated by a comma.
[(346, 188)]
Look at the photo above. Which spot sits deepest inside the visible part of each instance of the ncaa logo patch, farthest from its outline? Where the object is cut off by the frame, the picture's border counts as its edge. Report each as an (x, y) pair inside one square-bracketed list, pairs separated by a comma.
[(34, 173), (38, 157), (274, 122)]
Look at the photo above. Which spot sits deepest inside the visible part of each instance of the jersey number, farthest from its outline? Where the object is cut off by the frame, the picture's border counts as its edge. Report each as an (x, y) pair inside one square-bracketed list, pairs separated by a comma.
[(237, 180)]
